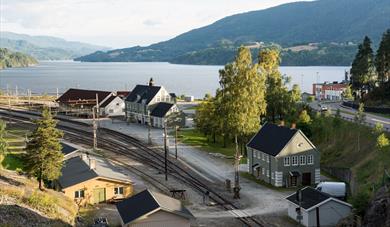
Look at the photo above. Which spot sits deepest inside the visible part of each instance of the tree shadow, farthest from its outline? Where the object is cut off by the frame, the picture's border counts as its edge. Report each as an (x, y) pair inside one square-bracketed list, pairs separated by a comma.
[(14, 215), (11, 181)]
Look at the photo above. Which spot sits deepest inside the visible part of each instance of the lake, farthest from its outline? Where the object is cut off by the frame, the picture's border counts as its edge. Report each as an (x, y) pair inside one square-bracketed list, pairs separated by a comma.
[(182, 79)]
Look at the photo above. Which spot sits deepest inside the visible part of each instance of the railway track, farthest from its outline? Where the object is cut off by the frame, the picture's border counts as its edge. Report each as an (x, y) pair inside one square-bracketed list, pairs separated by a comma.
[(124, 145)]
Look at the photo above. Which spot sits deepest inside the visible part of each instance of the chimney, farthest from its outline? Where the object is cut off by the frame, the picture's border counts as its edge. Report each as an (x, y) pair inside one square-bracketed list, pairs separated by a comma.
[(293, 125), (281, 123), (92, 164), (151, 82)]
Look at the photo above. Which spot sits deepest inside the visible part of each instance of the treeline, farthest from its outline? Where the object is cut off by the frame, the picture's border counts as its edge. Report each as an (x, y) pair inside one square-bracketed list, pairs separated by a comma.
[(9, 59), (370, 73), (249, 94)]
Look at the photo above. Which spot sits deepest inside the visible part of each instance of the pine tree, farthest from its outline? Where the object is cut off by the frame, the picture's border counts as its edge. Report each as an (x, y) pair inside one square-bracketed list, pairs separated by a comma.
[(44, 158), (382, 59), (363, 70), (243, 100), (360, 118)]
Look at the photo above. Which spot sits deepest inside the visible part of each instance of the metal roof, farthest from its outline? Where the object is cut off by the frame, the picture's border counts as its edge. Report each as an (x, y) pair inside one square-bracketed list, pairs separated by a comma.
[(143, 92), (161, 109), (146, 203)]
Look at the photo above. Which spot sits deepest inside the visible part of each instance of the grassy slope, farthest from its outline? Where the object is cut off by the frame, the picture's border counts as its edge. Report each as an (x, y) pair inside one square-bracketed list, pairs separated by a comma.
[(341, 150)]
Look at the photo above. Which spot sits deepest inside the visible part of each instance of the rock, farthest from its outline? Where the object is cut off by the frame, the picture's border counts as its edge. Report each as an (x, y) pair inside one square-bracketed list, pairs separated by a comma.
[(378, 211)]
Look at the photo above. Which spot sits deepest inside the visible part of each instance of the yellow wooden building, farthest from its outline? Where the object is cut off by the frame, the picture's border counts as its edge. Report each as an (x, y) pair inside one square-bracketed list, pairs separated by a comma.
[(92, 180)]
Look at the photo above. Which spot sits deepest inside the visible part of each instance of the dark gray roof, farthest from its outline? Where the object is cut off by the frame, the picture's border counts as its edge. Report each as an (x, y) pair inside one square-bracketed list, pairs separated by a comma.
[(74, 94), (147, 202), (310, 197), (271, 138), (143, 92), (67, 149), (77, 170), (161, 109), (108, 101)]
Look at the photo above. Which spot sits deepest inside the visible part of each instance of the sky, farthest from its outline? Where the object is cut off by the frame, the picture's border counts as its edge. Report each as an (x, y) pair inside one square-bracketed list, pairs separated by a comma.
[(119, 23)]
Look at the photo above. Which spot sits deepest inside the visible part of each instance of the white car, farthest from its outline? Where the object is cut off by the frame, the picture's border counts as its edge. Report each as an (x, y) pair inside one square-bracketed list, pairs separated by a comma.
[(324, 108)]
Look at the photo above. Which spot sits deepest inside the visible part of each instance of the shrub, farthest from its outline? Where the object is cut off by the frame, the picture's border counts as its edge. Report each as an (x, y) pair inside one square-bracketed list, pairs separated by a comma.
[(360, 202), (19, 171), (42, 202)]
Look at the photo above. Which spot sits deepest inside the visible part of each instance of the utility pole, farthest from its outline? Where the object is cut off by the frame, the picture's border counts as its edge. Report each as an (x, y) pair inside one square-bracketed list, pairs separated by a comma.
[(94, 128), (29, 96), (57, 93), (166, 151), (237, 158), (97, 109), (176, 141), (149, 129)]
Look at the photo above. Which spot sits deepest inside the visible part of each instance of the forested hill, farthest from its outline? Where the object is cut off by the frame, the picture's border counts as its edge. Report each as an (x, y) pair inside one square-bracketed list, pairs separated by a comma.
[(322, 21), (9, 59)]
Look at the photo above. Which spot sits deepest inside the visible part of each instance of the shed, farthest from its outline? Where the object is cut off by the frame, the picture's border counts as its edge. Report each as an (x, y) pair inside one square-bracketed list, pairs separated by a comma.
[(318, 208), (153, 209)]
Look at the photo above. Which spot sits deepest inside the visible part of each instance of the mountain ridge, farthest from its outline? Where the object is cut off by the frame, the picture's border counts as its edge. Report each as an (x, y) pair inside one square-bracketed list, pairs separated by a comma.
[(322, 21)]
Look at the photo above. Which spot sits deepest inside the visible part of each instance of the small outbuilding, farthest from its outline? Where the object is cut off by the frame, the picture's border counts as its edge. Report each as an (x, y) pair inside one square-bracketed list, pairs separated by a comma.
[(153, 209), (317, 208)]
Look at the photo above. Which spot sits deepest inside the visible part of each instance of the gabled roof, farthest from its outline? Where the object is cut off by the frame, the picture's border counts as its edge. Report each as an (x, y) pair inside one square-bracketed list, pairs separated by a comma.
[(122, 94), (271, 138), (312, 198), (77, 170), (79, 95), (161, 109), (146, 203), (143, 92), (108, 101), (67, 149)]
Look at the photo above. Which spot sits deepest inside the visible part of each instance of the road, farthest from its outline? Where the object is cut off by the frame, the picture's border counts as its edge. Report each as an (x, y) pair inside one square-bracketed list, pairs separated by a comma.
[(348, 113)]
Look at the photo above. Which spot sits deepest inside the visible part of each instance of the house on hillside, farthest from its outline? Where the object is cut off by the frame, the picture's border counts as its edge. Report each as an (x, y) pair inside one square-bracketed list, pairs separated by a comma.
[(149, 102), (317, 208), (91, 180), (153, 209), (329, 91), (283, 157), (79, 102)]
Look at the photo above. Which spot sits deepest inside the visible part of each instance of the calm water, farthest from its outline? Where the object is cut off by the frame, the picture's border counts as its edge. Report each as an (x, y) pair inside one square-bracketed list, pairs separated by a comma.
[(181, 79)]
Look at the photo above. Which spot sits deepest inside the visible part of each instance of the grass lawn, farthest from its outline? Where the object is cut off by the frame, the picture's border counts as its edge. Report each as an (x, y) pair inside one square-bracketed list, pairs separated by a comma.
[(195, 138)]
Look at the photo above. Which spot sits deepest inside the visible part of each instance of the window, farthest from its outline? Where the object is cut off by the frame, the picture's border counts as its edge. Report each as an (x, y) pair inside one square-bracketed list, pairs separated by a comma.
[(267, 157), (79, 194), (262, 171), (294, 160), (258, 154), (263, 157), (286, 161), (111, 110), (267, 172), (273, 175), (310, 159), (303, 160), (118, 191)]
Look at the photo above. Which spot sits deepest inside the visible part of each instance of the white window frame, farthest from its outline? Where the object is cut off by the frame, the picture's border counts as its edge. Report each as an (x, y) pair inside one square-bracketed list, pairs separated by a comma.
[(302, 160), (263, 157), (287, 161), (258, 155), (267, 172), (310, 159), (77, 194), (117, 190), (273, 175), (263, 171), (294, 161), (267, 157)]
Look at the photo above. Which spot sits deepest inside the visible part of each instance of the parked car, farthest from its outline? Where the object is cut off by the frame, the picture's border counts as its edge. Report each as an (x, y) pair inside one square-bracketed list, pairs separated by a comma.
[(324, 108), (334, 189), (100, 222)]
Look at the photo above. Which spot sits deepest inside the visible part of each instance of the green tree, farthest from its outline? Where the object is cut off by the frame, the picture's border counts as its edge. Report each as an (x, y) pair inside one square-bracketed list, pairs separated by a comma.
[(378, 129), (382, 59), (363, 70), (360, 118), (347, 94), (3, 142), (44, 158), (243, 100), (304, 117), (277, 97), (382, 142)]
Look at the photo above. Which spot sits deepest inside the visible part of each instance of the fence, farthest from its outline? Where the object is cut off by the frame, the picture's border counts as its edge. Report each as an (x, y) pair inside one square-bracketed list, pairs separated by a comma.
[(382, 110), (369, 124)]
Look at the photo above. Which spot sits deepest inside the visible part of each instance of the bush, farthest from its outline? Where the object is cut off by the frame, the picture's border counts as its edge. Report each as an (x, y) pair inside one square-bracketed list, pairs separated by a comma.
[(360, 202), (19, 171), (42, 202)]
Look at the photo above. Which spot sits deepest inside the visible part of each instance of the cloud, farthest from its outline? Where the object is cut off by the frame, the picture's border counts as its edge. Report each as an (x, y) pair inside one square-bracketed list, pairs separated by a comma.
[(150, 22)]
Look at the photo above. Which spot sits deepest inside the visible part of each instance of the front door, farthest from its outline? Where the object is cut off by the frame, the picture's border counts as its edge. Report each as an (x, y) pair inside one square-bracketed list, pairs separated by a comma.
[(306, 178), (258, 171), (99, 195), (293, 181)]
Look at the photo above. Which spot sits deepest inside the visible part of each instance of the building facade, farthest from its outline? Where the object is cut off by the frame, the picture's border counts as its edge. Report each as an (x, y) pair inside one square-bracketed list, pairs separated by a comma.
[(283, 157), (329, 91), (149, 103)]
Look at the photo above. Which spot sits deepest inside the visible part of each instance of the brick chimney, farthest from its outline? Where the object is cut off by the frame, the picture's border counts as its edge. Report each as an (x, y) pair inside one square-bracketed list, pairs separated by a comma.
[(92, 164), (151, 82), (293, 125), (281, 123)]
